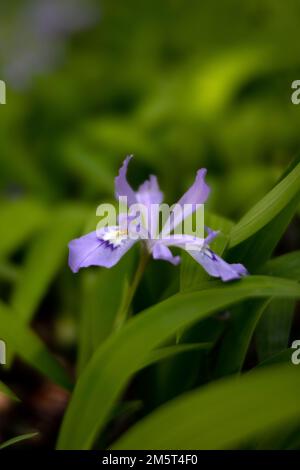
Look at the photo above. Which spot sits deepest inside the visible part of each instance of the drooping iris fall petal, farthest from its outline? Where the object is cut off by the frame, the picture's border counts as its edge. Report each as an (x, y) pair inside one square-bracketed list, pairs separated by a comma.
[(99, 249), (215, 266)]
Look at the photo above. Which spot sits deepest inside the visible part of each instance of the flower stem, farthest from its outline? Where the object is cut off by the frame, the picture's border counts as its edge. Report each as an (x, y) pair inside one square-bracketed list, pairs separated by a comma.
[(123, 312)]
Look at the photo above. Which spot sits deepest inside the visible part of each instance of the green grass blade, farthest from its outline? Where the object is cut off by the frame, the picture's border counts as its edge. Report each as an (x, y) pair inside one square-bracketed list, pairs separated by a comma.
[(257, 249), (16, 440), (170, 351), (282, 357), (267, 208), (240, 329)]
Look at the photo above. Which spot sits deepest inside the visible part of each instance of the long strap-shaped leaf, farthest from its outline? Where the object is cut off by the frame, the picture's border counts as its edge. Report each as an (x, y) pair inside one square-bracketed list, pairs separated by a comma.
[(267, 208), (124, 352), (245, 318), (16, 440), (260, 232), (221, 415)]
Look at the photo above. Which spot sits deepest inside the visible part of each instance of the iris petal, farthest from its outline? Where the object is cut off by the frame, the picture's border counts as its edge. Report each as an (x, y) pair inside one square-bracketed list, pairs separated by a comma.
[(215, 266), (149, 192), (198, 192), (162, 252), (195, 195), (94, 250), (122, 187)]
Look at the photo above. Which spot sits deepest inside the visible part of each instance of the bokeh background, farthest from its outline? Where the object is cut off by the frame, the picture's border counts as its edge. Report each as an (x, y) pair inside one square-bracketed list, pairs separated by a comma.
[(181, 85)]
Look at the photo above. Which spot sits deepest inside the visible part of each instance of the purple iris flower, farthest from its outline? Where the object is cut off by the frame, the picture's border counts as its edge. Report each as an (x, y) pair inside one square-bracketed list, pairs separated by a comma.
[(106, 247)]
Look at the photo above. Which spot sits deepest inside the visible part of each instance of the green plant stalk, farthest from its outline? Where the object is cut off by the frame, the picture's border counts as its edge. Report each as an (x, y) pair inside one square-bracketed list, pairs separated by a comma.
[(124, 310)]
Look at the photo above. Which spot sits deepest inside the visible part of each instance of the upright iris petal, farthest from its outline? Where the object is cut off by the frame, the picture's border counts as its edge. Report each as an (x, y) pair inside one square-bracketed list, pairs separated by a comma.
[(149, 192), (195, 195), (198, 192), (122, 187)]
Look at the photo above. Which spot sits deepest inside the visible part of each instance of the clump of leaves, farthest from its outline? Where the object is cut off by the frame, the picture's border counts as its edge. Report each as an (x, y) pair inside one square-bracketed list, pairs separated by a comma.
[(182, 358)]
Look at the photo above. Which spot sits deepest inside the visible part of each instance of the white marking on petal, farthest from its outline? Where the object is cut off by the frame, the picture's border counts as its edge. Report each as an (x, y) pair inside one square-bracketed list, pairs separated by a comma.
[(114, 236)]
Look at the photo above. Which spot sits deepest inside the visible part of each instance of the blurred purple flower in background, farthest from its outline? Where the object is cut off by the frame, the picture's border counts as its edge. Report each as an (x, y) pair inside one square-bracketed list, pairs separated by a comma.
[(32, 38), (107, 246)]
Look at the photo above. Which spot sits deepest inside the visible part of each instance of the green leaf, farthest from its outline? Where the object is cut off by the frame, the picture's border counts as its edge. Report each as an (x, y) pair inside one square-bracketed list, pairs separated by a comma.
[(254, 252), (16, 440), (174, 371), (267, 208), (221, 415), (102, 294), (282, 357), (181, 373), (29, 347), (19, 221), (9, 272), (170, 351), (114, 363), (237, 337), (273, 330), (287, 266), (6, 391), (257, 249), (47, 254), (245, 318)]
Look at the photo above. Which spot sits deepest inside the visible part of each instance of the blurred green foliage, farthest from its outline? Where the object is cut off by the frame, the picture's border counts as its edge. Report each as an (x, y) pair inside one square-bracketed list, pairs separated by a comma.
[(181, 85)]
